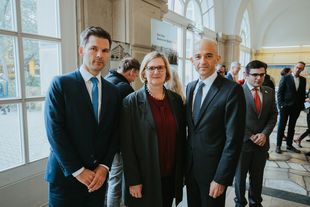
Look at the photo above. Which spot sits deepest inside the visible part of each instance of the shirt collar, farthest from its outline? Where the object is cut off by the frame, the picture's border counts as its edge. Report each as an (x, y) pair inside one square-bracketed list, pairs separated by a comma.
[(294, 75), (209, 80), (87, 75), (252, 87)]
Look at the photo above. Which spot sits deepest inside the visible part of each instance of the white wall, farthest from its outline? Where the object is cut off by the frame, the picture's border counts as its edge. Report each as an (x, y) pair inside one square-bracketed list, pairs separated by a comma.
[(287, 29)]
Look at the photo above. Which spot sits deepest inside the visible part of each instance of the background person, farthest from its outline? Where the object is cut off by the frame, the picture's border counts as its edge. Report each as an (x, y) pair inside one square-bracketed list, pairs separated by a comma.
[(125, 74), (261, 117), (235, 67), (174, 84), (291, 97)]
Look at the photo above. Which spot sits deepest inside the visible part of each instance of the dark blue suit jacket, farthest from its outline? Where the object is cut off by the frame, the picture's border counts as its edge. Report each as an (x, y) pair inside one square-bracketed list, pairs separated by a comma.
[(76, 139), (229, 76), (215, 142), (288, 95)]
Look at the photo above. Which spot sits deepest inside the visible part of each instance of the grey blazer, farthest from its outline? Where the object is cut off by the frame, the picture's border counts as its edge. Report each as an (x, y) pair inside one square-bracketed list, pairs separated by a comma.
[(262, 123)]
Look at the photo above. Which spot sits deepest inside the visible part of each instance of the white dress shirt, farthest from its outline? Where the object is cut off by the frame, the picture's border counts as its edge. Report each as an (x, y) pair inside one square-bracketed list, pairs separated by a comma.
[(253, 92), (205, 89), (89, 85), (296, 81)]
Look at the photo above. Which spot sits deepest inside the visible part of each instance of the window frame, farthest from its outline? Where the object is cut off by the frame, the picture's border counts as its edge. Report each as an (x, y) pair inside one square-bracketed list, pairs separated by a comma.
[(67, 51)]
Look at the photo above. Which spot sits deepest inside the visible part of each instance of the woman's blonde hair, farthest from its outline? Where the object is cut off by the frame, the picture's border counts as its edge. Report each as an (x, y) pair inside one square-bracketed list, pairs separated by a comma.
[(148, 58), (174, 84)]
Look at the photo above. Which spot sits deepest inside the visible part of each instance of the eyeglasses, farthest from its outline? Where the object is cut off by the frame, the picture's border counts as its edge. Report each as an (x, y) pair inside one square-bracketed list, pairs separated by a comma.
[(255, 75), (159, 68)]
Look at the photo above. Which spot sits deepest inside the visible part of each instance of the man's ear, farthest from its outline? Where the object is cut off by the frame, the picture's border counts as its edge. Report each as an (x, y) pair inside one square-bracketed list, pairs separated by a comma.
[(192, 60), (81, 50), (218, 59)]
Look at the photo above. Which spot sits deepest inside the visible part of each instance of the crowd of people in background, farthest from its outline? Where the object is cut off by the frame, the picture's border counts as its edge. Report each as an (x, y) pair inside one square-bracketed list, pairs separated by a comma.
[(140, 146)]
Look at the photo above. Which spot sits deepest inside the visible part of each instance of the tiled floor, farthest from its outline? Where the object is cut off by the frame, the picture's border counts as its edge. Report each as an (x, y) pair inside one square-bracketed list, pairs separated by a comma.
[(288, 174)]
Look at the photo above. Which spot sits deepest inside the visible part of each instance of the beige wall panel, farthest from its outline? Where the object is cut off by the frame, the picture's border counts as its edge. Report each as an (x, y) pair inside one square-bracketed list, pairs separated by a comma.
[(99, 13), (141, 22), (284, 56)]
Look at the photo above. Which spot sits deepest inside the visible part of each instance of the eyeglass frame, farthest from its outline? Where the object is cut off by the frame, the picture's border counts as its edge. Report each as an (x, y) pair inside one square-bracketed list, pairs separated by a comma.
[(159, 68), (255, 75)]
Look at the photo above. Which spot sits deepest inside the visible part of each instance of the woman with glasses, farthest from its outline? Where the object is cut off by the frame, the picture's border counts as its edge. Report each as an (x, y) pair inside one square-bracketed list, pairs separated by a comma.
[(153, 138)]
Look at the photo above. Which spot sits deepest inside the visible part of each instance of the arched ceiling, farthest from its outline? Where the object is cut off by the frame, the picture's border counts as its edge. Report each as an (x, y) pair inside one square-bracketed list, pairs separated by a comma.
[(273, 22)]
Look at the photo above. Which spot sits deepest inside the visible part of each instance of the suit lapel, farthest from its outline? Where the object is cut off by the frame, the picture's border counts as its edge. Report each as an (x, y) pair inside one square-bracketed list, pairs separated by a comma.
[(190, 102), (293, 82), (84, 93), (145, 108), (265, 101), (172, 102), (210, 95), (104, 100), (249, 97)]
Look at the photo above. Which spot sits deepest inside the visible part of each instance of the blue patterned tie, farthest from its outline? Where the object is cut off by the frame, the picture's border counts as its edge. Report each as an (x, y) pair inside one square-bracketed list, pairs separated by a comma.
[(94, 95), (197, 102)]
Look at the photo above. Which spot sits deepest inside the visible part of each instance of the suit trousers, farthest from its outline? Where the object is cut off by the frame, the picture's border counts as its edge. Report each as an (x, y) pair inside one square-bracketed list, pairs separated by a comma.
[(291, 112), (198, 194), (116, 184), (252, 162), (74, 193)]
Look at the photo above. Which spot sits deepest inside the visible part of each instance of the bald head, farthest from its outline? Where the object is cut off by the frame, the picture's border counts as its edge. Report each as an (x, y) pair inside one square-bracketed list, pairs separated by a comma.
[(205, 57), (206, 43)]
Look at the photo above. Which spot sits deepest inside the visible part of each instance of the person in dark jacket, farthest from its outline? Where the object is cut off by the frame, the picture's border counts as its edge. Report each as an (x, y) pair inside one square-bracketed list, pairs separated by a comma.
[(291, 97), (126, 73), (153, 138)]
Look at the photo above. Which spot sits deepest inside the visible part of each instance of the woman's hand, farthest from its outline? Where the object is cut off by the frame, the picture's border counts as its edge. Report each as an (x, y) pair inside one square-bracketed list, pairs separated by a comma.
[(136, 191)]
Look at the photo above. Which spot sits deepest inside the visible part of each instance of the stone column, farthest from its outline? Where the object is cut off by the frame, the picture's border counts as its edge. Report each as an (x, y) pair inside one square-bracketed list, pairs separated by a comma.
[(231, 48)]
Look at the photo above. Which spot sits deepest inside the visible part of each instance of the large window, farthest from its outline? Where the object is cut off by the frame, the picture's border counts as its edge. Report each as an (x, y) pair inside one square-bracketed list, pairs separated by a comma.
[(245, 34), (196, 16), (30, 56)]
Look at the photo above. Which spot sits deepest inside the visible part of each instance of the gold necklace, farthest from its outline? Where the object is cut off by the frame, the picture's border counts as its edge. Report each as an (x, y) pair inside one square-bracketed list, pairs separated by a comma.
[(160, 99)]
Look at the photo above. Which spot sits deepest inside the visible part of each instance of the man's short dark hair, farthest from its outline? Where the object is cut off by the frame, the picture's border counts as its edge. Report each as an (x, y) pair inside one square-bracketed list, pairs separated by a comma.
[(301, 62), (129, 63), (285, 71), (255, 64), (95, 31)]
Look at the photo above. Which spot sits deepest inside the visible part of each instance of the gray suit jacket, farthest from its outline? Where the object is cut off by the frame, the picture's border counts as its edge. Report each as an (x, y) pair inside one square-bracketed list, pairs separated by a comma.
[(262, 123)]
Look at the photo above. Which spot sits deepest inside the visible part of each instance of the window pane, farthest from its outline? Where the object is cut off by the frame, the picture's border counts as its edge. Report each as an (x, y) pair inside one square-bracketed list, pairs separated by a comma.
[(40, 17), (180, 41), (189, 44), (190, 11), (188, 72), (8, 68), (38, 143), (10, 136), (41, 64), (178, 7), (7, 15), (212, 21)]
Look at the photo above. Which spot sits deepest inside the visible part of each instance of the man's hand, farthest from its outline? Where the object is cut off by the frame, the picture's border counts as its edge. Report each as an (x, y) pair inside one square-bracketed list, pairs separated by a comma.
[(216, 189), (99, 179), (136, 191), (259, 139), (86, 177)]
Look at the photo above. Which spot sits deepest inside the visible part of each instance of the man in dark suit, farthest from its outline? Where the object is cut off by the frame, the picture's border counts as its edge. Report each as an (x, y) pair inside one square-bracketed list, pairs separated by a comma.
[(261, 117), (232, 74), (215, 118), (81, 119), (291, 97), (126, 73)]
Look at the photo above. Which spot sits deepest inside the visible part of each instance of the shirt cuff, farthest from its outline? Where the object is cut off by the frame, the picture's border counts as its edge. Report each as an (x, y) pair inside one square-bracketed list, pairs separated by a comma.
[(105, 166), (76, 173)]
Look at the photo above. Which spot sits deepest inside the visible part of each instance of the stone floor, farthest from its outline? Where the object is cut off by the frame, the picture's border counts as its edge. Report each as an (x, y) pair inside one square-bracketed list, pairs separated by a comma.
[(289, 171)]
